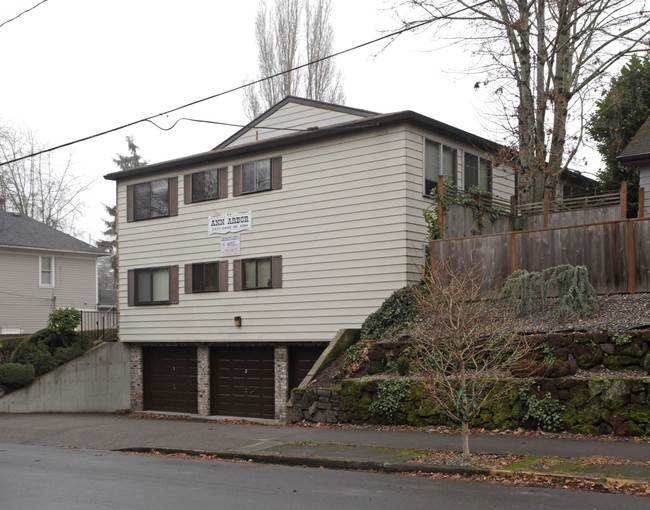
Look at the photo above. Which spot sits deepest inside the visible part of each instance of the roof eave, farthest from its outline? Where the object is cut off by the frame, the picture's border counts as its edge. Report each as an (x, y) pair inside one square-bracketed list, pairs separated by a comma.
[(57, 250), (282, 141)]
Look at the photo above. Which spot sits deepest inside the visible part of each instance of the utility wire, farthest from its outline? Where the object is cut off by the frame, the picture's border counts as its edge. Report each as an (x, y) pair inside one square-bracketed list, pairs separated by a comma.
[(410, 28), (270, 128), (24, 12), (229, 91)]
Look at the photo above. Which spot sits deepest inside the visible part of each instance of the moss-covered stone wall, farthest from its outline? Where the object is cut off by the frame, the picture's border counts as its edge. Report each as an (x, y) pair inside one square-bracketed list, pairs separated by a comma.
[(587, 406)]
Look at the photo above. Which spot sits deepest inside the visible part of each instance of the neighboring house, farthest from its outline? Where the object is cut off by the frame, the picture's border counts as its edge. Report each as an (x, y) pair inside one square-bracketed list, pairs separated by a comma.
[(637, 153), (42, 269), (238, 265)]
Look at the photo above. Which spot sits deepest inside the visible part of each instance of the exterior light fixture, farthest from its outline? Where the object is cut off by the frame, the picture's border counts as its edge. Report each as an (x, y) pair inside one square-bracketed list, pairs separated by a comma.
[(238, 320)]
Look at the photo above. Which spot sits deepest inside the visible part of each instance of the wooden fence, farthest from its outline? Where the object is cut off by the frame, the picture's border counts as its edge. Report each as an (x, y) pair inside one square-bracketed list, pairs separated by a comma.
[(616, 253), (459, 220)]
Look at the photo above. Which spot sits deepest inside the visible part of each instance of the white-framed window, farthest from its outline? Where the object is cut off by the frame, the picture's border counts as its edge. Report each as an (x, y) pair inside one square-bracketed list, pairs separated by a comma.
[(477, 172), (46, 271), (439, 159)]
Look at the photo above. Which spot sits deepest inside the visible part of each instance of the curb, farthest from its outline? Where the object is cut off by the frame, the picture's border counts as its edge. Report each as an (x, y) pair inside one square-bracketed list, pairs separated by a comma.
[(368, 465)]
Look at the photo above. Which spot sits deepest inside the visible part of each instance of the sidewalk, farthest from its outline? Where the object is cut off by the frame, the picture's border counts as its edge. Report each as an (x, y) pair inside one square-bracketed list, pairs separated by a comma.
[(314, 446)]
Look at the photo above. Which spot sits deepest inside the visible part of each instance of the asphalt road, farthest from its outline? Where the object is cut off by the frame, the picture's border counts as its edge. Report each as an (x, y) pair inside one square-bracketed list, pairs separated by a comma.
[(38, 477)]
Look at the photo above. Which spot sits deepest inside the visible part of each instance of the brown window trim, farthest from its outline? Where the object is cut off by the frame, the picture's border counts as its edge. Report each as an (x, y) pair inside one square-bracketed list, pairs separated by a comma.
[(276, 177), (276, 273), (222, 186), (222, 283), (173, 287), (172, 198)]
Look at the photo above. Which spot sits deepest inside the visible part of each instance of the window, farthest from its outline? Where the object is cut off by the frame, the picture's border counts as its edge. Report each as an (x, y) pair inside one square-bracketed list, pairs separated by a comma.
[(46, 271), (206, 185), (439, 159), (256, 176), (258, 273), (153, 286), (153, 199), (262, 175), (478, 172), (206, 277)]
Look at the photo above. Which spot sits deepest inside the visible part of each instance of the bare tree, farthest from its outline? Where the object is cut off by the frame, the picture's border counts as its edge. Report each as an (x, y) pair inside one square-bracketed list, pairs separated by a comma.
[(464, 344), (33, 186), (280, 32), (543, 60)]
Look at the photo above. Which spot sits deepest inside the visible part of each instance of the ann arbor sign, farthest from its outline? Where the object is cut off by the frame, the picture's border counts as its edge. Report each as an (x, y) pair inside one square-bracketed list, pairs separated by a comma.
[(235, 222)]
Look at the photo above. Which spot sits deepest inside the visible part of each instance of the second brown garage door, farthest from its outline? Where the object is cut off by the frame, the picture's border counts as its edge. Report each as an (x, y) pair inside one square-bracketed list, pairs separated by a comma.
[(242, 381)]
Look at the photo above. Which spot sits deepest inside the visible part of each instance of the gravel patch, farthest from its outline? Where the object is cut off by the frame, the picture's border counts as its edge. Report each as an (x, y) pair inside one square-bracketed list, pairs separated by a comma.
[(616, 313)]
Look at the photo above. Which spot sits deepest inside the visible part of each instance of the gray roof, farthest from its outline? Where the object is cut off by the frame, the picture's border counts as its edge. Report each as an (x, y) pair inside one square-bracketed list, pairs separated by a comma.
[(639, 147), (20, 231), (365, 123)]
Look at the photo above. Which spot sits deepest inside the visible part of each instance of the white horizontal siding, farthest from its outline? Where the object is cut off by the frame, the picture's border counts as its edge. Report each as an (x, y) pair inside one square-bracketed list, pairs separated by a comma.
[(338, 222), (295, 116), (644, 182), (25, 305)]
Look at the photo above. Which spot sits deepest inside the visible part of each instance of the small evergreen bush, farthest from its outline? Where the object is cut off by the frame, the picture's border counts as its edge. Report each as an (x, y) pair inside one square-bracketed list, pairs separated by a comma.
[(16, 375), (63, 322), (576, 296), (35, 354)]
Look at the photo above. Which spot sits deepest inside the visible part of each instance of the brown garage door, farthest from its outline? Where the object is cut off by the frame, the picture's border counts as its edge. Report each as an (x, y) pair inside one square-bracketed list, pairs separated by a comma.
[(242, 381), (169, 379), (301, 359)]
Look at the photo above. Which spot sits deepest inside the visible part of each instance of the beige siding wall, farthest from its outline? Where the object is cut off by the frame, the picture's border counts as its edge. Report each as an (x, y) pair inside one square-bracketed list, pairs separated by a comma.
[(503, 179), (25, 305), (294, 116), (338, 223)]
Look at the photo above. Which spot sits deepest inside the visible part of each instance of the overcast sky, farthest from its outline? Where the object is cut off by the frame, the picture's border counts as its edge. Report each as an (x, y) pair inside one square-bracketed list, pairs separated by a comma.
[(73, 68)]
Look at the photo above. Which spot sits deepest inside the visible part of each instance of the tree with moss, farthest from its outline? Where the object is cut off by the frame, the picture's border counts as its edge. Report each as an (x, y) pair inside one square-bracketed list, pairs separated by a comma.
[(618, 116), (464, 345)]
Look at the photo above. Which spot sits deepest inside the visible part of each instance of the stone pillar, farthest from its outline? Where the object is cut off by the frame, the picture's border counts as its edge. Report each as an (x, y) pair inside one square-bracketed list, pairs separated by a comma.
[(203, 380), (136, 378), (281, 382)]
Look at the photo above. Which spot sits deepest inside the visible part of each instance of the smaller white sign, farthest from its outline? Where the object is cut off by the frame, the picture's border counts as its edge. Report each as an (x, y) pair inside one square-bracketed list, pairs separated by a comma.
[(235, 222), (230, 246)]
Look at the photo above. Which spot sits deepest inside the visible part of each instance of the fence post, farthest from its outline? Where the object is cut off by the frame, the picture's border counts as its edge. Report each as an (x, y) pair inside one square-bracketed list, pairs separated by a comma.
[(546, 204), (641, 213), (624, 200), (513, 253), (441, 192), (631, 272)]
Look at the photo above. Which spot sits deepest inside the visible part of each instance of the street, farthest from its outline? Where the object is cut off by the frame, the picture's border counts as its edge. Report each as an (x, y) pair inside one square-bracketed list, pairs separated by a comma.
[(43, 477)]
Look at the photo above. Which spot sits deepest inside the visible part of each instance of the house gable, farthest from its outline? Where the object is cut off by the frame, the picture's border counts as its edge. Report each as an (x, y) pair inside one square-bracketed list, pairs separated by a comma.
[(291, 116)]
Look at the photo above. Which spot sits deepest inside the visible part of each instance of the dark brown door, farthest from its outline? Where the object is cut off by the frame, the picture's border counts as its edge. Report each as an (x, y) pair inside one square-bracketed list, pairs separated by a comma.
[(301, 360), (169, 379), (242, 381)]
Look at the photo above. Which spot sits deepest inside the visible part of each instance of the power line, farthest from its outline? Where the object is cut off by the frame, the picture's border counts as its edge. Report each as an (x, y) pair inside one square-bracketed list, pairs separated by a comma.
[(24, 12), (219, 94), (270, 128)]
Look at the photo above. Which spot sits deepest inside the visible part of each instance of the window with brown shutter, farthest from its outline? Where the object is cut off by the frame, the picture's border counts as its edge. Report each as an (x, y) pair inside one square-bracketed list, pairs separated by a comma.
[(153, 286), (152, 199), (256, 176), (206, 277), (206, 185), (258, 273)]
